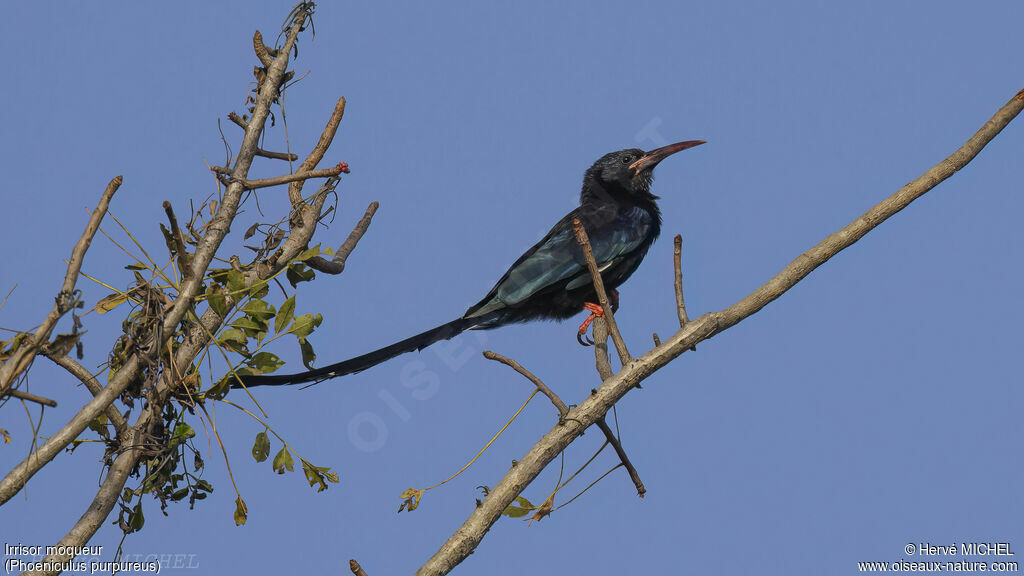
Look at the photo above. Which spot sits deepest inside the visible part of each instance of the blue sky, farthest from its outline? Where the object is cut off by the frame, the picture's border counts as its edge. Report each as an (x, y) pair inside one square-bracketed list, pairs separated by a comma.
[(875, 404)]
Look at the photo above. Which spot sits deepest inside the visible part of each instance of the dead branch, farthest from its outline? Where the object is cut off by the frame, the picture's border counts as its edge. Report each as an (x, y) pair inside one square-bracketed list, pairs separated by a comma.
[(32, 398), (286, 178), (602, 296), (559, 405), (677, 256), (277, 155), (467, 537), (317, 154), (337, 264), (65, 300)]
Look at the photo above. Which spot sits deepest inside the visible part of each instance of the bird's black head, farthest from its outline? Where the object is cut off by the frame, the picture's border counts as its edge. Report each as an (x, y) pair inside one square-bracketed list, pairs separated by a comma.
[(627, 174)]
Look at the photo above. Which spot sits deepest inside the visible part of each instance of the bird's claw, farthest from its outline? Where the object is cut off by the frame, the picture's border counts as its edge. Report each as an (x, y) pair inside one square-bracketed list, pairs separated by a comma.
[(581, 335), (583, 339)]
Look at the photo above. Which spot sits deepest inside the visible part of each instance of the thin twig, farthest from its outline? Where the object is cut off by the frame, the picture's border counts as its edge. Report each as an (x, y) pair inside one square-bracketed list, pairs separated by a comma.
[(184, 258), (677, 251), (602, 296), (277, 155), (559, 405), (340, 168), (468, 536), (337, 264), (238, 120), (589, 486), (617, 445), (32, 398)]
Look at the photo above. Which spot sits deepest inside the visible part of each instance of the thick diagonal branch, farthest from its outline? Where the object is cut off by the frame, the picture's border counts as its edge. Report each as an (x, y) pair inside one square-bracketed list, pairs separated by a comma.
[(468, 536), (92, 384)]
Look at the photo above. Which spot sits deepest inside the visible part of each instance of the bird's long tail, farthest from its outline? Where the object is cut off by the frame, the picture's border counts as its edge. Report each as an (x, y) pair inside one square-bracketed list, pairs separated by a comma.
[(360, 363)]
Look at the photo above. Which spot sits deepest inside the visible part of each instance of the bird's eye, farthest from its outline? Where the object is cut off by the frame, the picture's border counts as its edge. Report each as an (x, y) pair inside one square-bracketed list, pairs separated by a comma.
[(627, 159)]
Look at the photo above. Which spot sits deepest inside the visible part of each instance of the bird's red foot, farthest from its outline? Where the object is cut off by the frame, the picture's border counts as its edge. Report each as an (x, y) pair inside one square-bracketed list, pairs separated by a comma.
[(595, 312)]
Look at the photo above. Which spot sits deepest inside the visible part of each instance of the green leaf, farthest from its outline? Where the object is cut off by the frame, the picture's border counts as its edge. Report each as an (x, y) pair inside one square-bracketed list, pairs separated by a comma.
[(246, 323), (261, 448), (241, 511), (329, 251), (136, 266), (299, 272), (220, 388), (308, 253), (259, 289), (182, 432), (236, 280), (285, 315), (303, 325), (524, 508), (218, 302), (99, 426), (259, 309), (266, 362), (136, 520), (232, 335), (308, 354), (284, 461), (203, 485), (179, 494)]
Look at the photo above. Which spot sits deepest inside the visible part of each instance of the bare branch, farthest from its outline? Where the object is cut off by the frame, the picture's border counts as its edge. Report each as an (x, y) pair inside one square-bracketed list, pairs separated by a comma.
[(234, 117), (602, 296), (65, 300), (266, 55), (32, 398), (92, 384), (314, 158), (468, 536), (286, 178), (277, 155), (559, 405), (337, 264), (677, 256)]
